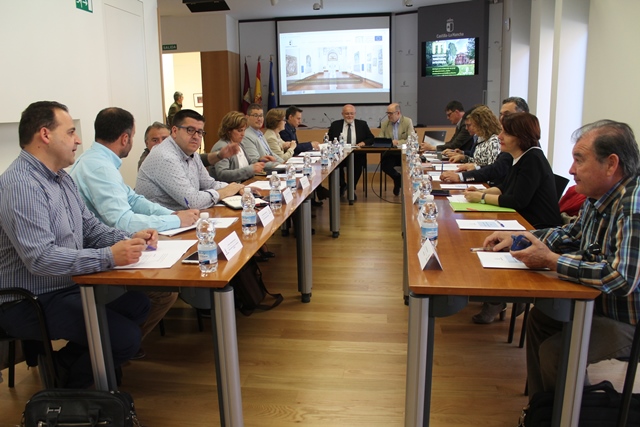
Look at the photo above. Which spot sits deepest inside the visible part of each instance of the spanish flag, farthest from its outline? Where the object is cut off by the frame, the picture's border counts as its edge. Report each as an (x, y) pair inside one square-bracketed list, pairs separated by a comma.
[(246, 91), (258, 98)]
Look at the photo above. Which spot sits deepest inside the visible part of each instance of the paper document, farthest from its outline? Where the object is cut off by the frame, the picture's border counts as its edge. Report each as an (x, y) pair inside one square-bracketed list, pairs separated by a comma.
[(265, 185), (167, 253), (295, 160), (500, 260), (457, 198), (488, 224), (454, 186), (175, 231)]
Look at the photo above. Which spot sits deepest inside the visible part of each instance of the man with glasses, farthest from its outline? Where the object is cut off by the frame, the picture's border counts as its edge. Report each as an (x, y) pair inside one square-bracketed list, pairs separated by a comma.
[(461, 139), (254, 143), (174, 176), (492, 173), (355, 132), (397, 128)]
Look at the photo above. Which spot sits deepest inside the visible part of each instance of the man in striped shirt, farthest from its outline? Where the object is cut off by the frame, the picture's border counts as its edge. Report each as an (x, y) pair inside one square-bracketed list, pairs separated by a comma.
[(601, 249), (47, 235)]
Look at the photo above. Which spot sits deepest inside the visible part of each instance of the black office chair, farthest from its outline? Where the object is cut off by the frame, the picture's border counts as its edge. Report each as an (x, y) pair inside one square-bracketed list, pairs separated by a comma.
[(46, 364), (561, 184), (11, 359)]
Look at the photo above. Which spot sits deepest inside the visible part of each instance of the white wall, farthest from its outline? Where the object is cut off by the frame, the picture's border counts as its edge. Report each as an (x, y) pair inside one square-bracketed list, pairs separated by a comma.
[(611, 89), (182, 72), (58, 52), (200, 32)]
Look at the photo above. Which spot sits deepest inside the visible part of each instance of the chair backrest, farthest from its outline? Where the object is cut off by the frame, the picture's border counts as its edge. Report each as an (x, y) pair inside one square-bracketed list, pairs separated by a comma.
[(49, 372), (561, 184)]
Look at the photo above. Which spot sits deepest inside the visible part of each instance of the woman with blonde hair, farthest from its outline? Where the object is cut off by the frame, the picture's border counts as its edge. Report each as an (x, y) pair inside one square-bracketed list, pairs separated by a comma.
[(275, 121), (485, 125), (235, 168)]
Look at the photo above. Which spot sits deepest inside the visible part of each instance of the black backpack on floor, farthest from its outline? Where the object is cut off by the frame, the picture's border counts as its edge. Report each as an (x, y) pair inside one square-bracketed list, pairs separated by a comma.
[(249, 290)]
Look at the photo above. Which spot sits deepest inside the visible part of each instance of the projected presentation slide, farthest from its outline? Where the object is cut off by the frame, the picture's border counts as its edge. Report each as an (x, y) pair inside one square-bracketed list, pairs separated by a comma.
[(334, 62)]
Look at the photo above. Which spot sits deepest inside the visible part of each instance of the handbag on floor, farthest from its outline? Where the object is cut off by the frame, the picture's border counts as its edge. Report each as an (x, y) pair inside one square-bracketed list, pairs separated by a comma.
[(602, 405), (80, 408)]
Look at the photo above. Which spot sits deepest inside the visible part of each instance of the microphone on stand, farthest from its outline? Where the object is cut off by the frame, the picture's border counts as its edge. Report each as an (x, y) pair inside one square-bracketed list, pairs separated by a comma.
[(330, 119), (380, 120)]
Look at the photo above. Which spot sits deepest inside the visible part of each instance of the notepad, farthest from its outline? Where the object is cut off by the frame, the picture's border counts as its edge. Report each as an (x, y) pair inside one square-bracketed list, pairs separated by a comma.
[(235, 202), (500, 260), (489, 224)]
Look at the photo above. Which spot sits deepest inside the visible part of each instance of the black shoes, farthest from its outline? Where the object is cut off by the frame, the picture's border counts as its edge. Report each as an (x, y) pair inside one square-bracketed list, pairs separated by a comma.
[(397, 184)]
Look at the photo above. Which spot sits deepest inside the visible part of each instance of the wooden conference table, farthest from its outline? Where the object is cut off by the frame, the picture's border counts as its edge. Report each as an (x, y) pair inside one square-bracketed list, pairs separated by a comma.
[(210, 292), (443, 292)]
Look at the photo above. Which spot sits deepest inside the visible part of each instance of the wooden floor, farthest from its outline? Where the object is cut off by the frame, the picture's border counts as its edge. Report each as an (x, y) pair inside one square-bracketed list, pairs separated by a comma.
[(338, 361)]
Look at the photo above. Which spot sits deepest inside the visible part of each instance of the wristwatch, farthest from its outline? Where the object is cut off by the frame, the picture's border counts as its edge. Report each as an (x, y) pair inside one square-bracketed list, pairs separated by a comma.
[(218, 155), (482, 201)]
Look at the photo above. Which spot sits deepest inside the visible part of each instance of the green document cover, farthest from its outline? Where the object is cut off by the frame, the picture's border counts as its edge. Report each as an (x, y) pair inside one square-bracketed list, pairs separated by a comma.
[(477, 207)]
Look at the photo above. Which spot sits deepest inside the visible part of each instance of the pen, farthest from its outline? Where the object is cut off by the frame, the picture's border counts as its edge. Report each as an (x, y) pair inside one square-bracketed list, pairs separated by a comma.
[(500, 224), (148, 248), (186, 202)]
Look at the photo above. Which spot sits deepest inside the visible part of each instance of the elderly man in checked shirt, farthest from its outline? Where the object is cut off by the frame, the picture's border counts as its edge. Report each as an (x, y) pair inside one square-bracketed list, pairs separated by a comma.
[(600, 249), (47, 235)]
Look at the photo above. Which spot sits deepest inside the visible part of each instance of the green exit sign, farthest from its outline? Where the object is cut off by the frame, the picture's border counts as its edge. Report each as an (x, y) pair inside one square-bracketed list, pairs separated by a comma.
[(86, 5), (169, 47)]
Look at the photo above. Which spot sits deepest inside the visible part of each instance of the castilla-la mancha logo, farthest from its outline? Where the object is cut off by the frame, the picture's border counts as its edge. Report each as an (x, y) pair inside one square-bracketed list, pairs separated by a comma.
[(449, 25)]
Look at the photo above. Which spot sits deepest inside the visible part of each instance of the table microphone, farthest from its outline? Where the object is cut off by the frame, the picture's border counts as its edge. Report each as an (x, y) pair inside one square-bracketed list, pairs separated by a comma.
[(330, 119)]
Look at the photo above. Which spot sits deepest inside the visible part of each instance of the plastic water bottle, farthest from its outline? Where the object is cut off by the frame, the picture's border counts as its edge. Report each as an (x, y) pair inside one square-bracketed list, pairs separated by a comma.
[(432, 205), (325, 140), (416, 178), (291, 177), (324, 158), (249, 217), (275, 195), (429, 224), (306, 166), (207, 247), (425, 191), (332, 149)]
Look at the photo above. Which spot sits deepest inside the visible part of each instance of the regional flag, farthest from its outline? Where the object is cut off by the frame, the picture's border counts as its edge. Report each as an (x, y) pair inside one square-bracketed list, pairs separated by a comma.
[(272, 93), (246, 91), (258, 98)]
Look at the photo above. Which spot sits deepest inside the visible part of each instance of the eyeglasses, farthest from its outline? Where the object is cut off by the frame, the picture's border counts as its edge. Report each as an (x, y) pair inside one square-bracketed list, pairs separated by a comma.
[(390, 113), (192, 131), (257, 116)]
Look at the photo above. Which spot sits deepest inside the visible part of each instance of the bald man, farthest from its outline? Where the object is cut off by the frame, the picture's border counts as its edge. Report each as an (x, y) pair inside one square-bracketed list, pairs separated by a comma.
[(354, 131)]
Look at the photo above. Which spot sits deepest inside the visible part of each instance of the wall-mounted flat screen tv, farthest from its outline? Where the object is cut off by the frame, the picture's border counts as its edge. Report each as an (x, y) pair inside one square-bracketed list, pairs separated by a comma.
[(449, 57)]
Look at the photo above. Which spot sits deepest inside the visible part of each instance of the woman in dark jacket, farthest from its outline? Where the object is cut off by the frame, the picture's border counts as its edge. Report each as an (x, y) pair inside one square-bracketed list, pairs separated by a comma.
[(529, 187)]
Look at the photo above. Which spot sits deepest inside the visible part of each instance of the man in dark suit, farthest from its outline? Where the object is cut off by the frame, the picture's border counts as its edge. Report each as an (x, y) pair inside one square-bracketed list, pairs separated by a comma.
[(355, 132), (461, 139), (293, 117)]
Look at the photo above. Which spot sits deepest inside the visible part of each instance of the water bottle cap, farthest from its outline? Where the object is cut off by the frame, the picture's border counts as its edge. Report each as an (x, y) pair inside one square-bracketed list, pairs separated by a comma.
[(274, 173), (430, 198), (204, 215), (247, 190)]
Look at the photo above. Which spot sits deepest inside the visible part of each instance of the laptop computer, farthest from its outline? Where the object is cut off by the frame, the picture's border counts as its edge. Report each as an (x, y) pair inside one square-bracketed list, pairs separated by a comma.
[(438, 135), (382, 143)]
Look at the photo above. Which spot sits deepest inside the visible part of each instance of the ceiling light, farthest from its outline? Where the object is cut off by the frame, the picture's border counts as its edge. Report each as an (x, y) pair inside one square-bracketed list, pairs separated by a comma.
[(318, 6)]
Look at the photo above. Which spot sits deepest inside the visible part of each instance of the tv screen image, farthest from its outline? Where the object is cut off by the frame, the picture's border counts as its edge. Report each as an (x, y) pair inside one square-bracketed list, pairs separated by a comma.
[(334, 61), (449, 57)]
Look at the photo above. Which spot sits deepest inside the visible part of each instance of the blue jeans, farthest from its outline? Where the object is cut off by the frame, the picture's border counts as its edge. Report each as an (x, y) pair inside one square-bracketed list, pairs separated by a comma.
[(65, 320)]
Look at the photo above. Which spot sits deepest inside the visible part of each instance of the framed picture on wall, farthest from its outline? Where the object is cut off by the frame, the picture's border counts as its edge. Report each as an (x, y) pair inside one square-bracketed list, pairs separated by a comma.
[(197, 99)]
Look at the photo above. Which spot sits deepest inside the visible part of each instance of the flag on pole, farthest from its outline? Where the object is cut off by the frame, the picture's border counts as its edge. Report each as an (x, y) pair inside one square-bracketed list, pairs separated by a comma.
[(258, 98), (271, 103), (246, 91)]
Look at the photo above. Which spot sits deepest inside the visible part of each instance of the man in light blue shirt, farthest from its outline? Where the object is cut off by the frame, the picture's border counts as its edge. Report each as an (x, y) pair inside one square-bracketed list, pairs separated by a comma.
[(96, 173)]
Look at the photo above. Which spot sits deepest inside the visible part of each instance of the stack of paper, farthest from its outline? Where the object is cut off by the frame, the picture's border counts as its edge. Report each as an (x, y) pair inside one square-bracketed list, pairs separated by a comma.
[(166, 254)]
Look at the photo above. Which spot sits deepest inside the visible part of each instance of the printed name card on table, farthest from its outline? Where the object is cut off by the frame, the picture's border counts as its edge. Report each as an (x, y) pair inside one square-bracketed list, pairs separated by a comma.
[(287, 195), (416, 194), (426, 253), (265, 215), (230, 245), (303, 183)]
